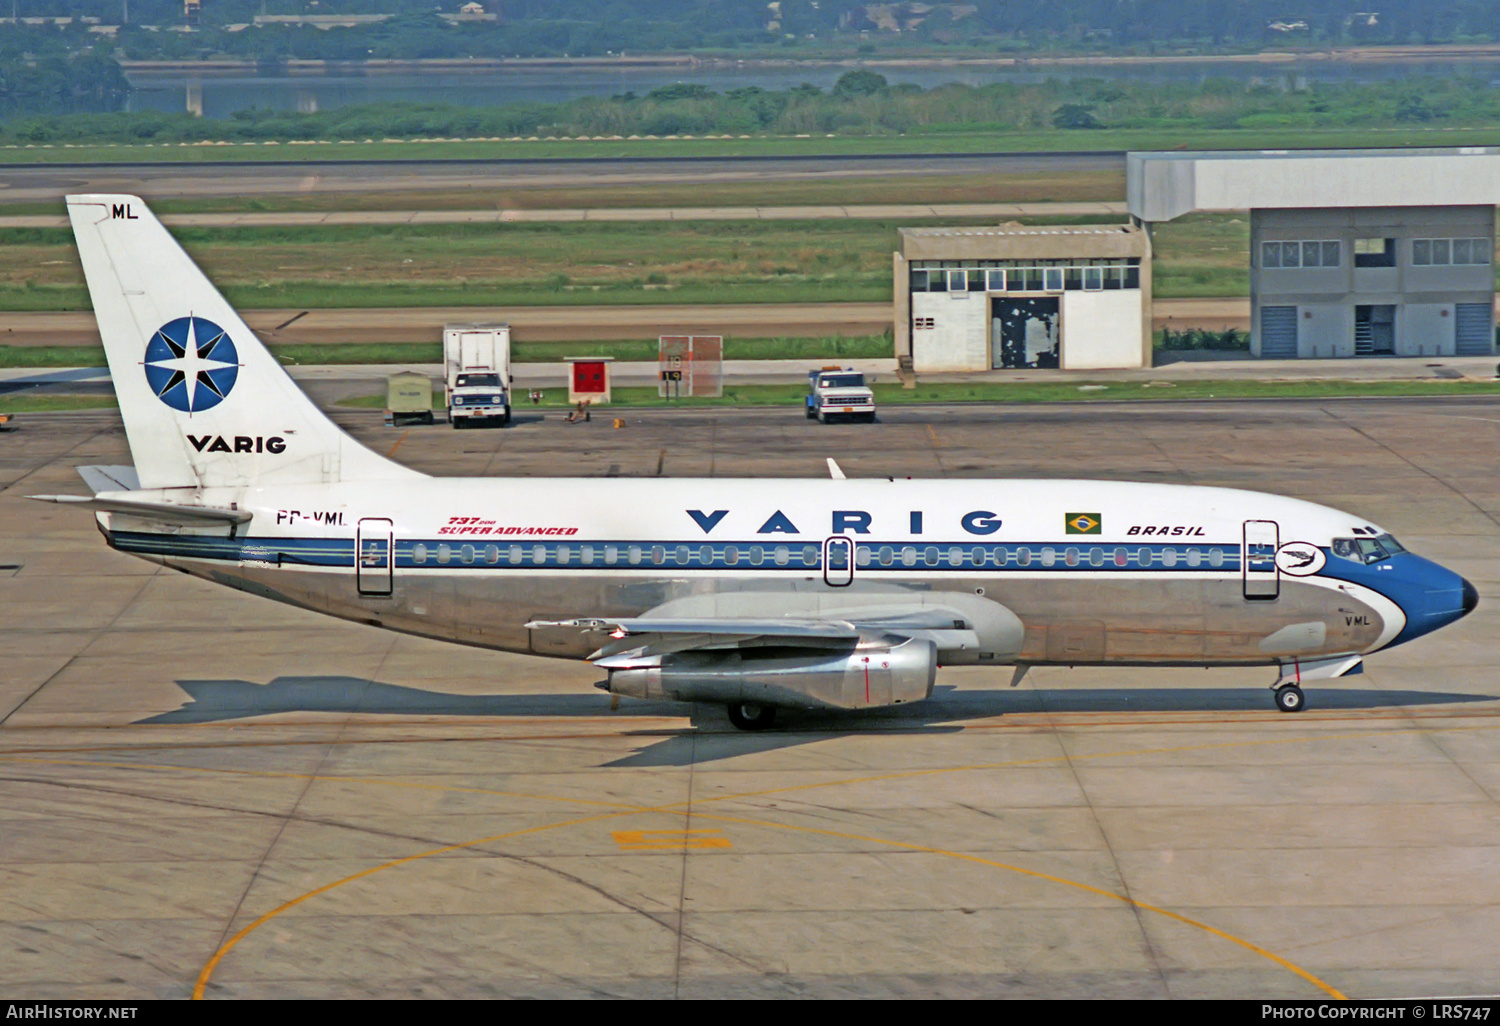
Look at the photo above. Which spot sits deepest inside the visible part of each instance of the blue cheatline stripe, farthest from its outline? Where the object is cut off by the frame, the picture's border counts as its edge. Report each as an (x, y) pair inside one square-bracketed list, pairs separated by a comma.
[(869, 557)]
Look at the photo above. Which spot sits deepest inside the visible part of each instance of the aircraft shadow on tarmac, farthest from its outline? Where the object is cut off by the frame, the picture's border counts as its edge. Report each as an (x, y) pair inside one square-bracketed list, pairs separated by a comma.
[(711, 737)]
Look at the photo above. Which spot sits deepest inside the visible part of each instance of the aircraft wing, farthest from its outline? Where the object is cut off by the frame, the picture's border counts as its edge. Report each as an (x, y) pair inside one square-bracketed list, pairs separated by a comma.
[(648, 635)]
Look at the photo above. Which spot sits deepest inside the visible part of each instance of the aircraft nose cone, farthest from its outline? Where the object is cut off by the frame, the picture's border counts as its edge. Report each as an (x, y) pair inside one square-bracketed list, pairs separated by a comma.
[(1471, 597)]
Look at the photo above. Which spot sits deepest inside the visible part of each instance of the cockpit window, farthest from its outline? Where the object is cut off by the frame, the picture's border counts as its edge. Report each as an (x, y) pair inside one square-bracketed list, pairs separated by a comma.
[(1367, 550)]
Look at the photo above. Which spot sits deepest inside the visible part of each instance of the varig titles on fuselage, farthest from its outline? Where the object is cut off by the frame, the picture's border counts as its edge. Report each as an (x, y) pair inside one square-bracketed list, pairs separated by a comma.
[(849, 521)]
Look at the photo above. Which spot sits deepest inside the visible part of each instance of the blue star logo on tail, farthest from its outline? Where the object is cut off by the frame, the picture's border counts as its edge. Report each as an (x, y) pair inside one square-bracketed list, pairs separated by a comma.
[(191, 364)]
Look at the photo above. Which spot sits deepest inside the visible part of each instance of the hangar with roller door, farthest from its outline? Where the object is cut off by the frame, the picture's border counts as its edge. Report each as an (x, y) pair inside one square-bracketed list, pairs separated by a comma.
[(1071, 296), (1352, 252)]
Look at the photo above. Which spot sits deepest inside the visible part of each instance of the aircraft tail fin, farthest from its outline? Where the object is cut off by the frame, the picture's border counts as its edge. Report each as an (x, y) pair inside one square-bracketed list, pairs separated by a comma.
[(204, 402)]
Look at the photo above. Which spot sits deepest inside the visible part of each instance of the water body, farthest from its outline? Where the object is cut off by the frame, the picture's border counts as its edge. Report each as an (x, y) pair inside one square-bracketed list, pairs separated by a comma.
[(220, 95)]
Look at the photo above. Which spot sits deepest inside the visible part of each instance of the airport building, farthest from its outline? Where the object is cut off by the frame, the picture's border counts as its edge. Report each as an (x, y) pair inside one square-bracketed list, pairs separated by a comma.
[(1352, 252), (1076, 297)]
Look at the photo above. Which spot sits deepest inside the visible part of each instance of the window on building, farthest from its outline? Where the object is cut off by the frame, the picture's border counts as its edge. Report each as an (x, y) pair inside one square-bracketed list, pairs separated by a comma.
[(1302, 253), (964, 276), (1374, 252), (1443, 252)]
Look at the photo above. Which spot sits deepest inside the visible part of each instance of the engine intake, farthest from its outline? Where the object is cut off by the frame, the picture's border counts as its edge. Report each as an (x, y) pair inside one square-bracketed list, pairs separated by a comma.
[(867, 675)]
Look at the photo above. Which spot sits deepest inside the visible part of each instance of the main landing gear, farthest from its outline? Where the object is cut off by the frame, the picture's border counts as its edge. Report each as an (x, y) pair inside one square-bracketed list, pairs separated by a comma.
[(1289, 698), (752, 715)]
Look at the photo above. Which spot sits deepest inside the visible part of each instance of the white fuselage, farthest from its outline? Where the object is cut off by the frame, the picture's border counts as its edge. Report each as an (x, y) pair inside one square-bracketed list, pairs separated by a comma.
[(1095, 571)]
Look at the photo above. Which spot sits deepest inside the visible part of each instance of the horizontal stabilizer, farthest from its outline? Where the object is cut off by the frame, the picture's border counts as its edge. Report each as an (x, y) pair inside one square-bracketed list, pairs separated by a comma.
[(167, 511), (110, 479)]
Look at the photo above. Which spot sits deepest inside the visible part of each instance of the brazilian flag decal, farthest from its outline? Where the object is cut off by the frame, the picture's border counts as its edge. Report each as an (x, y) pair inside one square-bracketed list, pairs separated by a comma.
[(1083, 523)]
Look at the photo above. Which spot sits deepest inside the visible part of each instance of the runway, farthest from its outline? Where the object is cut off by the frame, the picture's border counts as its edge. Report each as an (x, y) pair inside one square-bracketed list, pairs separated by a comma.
[(203, 792)]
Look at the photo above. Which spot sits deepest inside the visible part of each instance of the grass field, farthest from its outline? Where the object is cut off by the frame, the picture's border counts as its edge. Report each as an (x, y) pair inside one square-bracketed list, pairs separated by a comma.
[(574, 263), (495, 265)]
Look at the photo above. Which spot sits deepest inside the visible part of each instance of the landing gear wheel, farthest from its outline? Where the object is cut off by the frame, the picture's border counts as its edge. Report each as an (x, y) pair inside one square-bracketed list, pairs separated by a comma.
[(752, 715), (1289, 698)]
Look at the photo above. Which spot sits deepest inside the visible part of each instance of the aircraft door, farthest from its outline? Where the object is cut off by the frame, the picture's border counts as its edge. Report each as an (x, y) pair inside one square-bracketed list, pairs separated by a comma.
[(373, 556), (838, 561), (1258, 562)]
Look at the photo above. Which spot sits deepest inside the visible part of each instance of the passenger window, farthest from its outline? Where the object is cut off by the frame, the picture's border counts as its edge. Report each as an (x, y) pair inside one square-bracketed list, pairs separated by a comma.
[(809, 555), (706, 554), (492, 554), (782, 555), (443, 553), (633, 555), (1049, 556), (564, 554), (658, 555), (955, 556), (538, 554), (1122, 557), (862, 555), (731, 555), (586, 554), (681, 555), (756, 555), (885, 555), (515, 553), (466, 553), (1023, 556), (611, 555), (419, 553)]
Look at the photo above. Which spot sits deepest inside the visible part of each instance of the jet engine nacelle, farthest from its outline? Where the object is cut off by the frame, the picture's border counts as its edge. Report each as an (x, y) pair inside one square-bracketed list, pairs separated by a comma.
[(869, 674)]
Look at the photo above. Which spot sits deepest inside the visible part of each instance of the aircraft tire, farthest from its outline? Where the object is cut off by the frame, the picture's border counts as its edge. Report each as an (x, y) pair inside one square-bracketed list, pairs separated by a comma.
[(1289, 698), (752, 715)]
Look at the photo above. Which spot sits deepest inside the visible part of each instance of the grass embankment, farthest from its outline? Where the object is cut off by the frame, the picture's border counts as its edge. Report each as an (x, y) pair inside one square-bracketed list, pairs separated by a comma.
[(961, 140), (790, 396), (397, 353)]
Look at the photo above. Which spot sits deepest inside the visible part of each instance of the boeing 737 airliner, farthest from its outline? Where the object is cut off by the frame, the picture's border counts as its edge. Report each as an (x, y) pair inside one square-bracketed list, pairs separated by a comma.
[(757, 594)]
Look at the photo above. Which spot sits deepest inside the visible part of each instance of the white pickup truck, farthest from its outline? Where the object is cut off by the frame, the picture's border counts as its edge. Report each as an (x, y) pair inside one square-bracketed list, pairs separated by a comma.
[(833, 393)]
